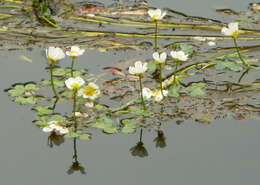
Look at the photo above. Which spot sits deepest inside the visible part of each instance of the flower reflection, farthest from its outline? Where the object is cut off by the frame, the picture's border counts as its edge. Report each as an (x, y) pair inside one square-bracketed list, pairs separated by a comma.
[(139, 149), (160, 140), (75, 167), (55, 139)]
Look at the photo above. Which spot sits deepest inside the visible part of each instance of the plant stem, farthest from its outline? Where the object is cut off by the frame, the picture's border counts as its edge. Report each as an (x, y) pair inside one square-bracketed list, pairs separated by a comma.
[(141, 135), (161, 80), (155, 35), (141, 91), (176, 68), (74, 108), (72, 66), (52, 82), (239, 54)]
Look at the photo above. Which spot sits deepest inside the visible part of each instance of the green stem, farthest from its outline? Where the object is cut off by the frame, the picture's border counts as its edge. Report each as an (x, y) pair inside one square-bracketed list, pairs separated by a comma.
[(72, 66), (175, 72), (156, 35), (74, 109), (141, 91), (52, 82), (161, 80), (239, 54)]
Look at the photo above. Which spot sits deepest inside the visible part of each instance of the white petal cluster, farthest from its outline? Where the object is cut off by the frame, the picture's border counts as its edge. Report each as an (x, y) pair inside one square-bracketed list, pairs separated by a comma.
[(231, 30), (74, 83), (156, 95), (75, 51), (90, 91), (156, 14), (55, 126), (54, 54), (160, 58), (179, 55), (138, 69)]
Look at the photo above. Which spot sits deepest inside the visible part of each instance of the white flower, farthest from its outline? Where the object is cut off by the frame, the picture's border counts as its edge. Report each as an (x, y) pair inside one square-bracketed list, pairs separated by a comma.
[(158, 94), (156, 14), (160, 58), (211, 43), (90, 91), (231, 30), (89, 104), (147, 93), (55, 126), (75, 51), (54, 54), (138, 69), (74, 83), (179, 55)]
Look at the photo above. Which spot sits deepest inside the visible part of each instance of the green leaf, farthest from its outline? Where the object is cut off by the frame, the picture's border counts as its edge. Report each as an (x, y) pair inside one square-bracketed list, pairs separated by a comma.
[(185, 47), (138, 111), (43, 110), (31, 87), (106, 124), (59, 72), (72, 135), (100, 107), (129, 126), (151, 66), (18, 90), (84, 136), (174, 91), (196, 89), (228, 64), (23, 101)]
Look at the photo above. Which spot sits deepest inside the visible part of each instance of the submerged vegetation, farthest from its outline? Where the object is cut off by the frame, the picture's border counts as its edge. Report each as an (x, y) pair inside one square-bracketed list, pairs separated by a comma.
[(187, 76)]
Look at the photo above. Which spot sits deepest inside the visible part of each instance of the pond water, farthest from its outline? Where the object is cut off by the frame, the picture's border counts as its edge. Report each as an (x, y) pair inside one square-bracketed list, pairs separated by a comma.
[(222, 152)]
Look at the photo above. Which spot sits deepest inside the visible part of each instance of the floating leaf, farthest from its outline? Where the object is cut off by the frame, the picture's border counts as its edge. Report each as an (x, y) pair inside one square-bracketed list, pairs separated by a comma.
[(151, 66), (18, 90), (196, 89), (228, 64), (105, 124), (100, 107), (43, 110), (59, 72), (129, 126), (202, 118), (23, 101), (138, 111), (31, 87), (57, 83), (174, 91)]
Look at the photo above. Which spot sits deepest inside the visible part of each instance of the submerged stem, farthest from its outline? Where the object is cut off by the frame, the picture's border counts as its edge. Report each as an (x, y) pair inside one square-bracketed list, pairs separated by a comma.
[(239, 54), (74, 109), (52, 82), (175, 72), (156, 35), (72, 66), (161, 80), (141, 91)]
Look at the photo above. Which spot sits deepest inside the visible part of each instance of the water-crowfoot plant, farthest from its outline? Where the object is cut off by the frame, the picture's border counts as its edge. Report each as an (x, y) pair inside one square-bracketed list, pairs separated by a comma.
[(156, 15), (160, 60), (178, 56), (74, 53), (138, 70), (233, 31), (53, 55), (74, 84)]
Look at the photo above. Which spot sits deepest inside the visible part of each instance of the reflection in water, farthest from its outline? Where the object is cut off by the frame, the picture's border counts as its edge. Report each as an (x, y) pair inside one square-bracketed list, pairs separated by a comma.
[(55, 139), (139, 149), (75, 164), (160, 140)]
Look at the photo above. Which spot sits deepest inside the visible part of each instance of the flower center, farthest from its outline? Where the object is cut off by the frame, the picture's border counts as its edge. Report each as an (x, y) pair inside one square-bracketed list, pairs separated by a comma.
[(75, 86), (89, 91)]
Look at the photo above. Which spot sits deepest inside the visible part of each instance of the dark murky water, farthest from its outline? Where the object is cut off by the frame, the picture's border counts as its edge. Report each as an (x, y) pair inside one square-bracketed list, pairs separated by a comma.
[(224, 152)]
